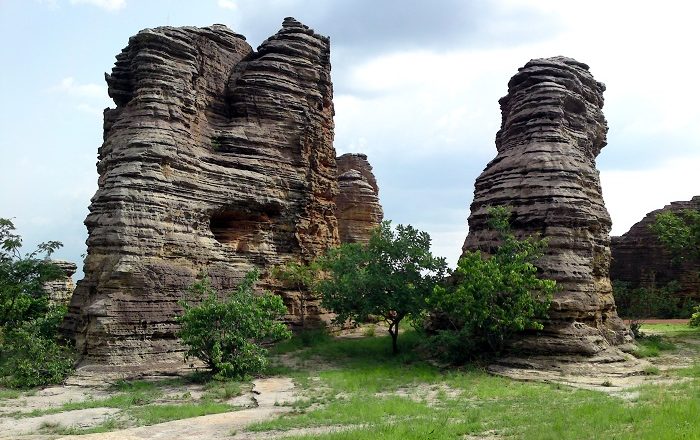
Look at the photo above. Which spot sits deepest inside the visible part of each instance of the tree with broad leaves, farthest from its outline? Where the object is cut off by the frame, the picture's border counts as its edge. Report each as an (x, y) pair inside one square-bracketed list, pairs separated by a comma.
[(390, 277)]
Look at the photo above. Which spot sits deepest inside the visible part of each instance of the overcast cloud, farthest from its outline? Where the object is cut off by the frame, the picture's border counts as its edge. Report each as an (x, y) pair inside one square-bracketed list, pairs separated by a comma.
[(416, 86)]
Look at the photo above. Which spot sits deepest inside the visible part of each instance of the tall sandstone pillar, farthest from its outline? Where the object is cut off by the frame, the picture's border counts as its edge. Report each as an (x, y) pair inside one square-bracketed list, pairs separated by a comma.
[(552, 130), (217, 159)]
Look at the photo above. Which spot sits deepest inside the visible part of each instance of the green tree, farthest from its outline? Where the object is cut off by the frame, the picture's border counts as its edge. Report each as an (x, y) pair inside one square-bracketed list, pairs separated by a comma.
[(22, 277), (226, 333), (679, 233), (492, 296), (390, 277), (30, 353)]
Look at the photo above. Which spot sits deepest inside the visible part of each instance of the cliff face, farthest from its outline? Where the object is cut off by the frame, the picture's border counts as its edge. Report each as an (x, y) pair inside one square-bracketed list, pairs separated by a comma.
[(358, 207), (217, 159), (552, 130), (641, 260)]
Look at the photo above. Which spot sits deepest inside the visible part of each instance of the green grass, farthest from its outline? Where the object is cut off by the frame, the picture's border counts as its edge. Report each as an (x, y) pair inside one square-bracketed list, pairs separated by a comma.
[(652, 346), (152, 414), (672, 330), (7, 394), (58, 429), (225, 390), (379, 396), (302, 339)]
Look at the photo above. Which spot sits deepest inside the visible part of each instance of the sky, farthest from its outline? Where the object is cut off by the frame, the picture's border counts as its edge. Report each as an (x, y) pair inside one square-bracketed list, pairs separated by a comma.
[(416, 88)]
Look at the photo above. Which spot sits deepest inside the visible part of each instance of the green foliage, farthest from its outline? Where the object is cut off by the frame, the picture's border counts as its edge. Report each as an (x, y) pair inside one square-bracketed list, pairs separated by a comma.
[(493, 296), (30, 354), (22, 297), (226, 333), (680, 233), (652, 346), (391, 277), (695, 318), (29, 358)]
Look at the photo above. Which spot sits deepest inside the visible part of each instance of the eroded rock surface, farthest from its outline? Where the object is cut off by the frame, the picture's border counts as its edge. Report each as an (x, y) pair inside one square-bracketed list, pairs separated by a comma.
[(359, 210), (552, 130), (640, 259), (61, 289), (217, 159)]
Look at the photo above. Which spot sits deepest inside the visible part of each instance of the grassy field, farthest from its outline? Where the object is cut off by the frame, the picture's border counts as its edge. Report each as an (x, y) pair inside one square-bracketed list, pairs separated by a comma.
[(371, 394), (357, 387)]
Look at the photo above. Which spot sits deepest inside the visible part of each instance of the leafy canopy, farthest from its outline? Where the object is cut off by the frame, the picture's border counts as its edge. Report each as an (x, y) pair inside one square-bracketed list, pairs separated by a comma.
[(679, 232), (226, 333), (30, 354), (391, 277), (493, 296)]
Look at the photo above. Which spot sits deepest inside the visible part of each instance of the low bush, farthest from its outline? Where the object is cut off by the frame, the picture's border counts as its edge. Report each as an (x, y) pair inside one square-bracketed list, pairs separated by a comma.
[(226, 333), (490, 297), (695, 318), (31, 359), (30, 351)]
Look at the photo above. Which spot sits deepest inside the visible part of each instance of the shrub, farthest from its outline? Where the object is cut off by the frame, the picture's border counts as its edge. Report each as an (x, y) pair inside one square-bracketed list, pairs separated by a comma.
[(226, 333), (493, 296), (31, 359), (30, 352), (391, 277), (695, 318)]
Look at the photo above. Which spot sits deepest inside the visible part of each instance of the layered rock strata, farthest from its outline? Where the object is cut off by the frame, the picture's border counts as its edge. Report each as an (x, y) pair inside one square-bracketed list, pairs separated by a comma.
[(639, 258), (551, 132), (61, 289), (216, 160), (358, 207)]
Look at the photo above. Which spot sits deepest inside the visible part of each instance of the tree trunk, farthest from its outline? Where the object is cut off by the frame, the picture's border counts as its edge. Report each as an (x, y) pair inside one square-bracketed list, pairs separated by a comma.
[(394, 332)]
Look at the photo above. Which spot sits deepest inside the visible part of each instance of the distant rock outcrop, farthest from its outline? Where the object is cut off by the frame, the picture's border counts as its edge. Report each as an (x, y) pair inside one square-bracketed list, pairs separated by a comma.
[(61, 289), (639, 258), (217, 159), (552, 130), (358, 205)]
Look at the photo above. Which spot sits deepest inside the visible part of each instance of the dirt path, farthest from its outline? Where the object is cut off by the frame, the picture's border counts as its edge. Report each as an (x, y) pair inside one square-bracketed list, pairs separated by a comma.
[(269, 394)]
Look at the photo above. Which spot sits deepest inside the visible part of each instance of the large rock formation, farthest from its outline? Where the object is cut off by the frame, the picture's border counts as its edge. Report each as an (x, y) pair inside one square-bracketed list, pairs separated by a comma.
[(551, 132), (61, 289), (358, 205), (639, 258), (217, 159)]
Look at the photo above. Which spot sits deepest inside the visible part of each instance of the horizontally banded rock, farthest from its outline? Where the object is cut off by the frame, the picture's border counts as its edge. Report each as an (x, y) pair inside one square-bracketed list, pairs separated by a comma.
[(61, 289), (216, 160), (551, 132), (639, 258), (359, 211)]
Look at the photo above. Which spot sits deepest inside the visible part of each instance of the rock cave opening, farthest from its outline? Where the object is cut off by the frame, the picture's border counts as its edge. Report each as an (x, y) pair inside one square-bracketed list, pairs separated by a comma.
[(243, 231)]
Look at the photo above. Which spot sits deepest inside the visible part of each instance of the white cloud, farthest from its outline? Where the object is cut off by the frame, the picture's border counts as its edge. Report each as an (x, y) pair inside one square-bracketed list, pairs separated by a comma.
[(107, 5), (227, 4), (631, 194), (90, 90)]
